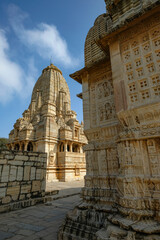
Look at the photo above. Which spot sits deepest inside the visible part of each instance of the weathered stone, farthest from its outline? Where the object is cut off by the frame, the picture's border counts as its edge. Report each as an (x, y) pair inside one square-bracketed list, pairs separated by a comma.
[(16, 182), (33, 173), (3, 161), (13, 173), (27, 170), (5, 173), (36, 186), (9, 156), (25, 189), (2, 192), (21, 157), (6, 200), (10, 184), (121, 105), (22, 197), (20, 174), (13, 192), (38, 174), (15, 163), (3, 184)]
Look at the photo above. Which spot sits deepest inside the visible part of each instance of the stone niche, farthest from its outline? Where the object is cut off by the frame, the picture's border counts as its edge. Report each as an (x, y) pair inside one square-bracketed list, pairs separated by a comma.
[(121, 105)]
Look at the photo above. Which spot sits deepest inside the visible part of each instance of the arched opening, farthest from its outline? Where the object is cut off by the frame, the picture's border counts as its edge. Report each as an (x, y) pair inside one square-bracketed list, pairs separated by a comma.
[(75, 148), (68, 148), (30, 147), (23, 147), (16, 147)]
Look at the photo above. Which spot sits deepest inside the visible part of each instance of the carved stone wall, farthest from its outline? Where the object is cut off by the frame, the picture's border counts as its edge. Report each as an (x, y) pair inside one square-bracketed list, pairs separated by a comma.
[(121, 103)]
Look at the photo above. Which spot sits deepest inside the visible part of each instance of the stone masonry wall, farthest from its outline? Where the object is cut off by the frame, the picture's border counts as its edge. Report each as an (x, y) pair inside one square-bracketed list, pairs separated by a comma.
[(22, 178)]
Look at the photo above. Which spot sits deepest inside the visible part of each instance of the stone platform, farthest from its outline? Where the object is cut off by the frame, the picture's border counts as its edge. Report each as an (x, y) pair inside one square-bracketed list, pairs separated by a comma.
[(43, 220)]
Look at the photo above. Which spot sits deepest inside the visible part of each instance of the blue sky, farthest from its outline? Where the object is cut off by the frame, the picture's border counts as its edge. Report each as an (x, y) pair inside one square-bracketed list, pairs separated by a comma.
[(31, 33)]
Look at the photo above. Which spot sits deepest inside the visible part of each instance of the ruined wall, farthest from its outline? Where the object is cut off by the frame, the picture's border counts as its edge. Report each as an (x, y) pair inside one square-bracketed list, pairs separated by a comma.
[(22, 178)]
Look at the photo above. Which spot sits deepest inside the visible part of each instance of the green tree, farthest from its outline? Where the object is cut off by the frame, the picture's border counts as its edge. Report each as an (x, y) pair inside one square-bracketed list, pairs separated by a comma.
[(3, 142)]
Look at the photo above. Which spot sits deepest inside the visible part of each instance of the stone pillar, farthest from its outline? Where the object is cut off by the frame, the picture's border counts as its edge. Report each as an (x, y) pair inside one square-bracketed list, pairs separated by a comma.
[(81, 149), (20, 146), (65, 146), (25, 146), (71, 147)]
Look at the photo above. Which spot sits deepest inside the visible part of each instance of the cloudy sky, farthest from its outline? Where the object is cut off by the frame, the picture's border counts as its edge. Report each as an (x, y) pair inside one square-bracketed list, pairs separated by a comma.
[(34, 33)]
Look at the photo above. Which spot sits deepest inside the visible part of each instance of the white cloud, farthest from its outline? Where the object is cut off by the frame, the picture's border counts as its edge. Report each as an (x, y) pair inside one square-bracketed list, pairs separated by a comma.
[(13, 79), (44, 39)]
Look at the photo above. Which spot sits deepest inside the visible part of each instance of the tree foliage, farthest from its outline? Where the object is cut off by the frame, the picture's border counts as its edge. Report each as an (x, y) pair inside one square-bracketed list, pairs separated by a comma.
[(3, 142)]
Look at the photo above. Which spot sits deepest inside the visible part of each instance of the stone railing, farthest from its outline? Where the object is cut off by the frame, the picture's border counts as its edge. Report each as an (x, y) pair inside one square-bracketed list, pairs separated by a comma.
[(22, 179)]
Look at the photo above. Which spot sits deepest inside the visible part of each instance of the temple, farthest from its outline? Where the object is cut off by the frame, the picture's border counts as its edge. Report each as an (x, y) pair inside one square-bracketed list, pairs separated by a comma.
[(121, 105), (49, 125)]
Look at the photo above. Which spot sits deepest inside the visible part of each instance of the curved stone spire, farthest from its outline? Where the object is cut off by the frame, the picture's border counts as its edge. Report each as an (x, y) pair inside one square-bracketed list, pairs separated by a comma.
[(48, 89)]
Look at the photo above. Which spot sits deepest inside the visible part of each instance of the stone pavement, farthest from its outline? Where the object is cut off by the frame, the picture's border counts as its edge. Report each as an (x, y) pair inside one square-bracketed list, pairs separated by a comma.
[(41, 222), (65, 188)]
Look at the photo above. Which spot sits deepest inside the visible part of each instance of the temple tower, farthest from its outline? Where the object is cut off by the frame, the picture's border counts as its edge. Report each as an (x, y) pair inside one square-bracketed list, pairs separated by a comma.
[(49, 125)]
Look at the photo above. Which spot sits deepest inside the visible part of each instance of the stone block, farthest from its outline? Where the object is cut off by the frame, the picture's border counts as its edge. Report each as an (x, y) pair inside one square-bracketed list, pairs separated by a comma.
[(5, 173), (27, 170), (28, 163), (22, 197), (33, 158), (3, 185), (6, 200), (13, 173), (3, 161), (15, 163), (36, 186), (2, 192), (28, 195), (9, 156), (15, 183), (32, 154), (33, 173), (25, 189), (4, 208), (15, 197), (13, 190), (20, 174), (38, 174), (21, 157), (43, 185)]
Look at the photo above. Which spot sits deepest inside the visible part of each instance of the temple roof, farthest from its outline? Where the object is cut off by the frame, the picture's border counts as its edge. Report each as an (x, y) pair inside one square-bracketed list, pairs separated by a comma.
[(52, 67)]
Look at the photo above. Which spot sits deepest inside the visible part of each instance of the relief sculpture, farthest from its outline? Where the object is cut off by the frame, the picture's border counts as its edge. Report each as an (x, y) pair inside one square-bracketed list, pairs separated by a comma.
[(121, 198)]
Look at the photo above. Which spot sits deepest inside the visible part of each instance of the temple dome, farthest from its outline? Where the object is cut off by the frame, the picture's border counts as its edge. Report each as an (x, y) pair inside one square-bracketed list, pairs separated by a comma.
[(52, 67), (48, 87)]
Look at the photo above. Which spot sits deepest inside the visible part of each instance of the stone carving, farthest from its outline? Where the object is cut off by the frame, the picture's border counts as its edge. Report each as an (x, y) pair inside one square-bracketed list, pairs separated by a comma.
[(121, 197)]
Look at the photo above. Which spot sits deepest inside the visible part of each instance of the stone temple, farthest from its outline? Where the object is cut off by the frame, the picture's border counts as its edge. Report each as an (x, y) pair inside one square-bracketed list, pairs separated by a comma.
[(121, 105), (49, 125)]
